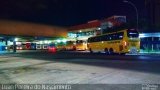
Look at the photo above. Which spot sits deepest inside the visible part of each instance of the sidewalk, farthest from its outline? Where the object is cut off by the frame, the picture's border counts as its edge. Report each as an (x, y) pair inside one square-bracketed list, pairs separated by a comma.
[(18, 51), (147, 53), (150, 53), (6, 53)]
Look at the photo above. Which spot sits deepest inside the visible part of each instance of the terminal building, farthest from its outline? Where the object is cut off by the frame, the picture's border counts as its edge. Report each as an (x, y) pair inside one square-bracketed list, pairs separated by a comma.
[(150, 42)]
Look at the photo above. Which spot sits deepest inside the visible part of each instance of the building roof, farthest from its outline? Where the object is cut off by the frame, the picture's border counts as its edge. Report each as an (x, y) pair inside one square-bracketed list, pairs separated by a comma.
[(115, 20), (30, 29), (90, 24)]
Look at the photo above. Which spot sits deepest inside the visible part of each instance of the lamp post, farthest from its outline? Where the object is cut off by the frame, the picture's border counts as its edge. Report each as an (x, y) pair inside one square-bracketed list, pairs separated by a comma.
[(132, 4)]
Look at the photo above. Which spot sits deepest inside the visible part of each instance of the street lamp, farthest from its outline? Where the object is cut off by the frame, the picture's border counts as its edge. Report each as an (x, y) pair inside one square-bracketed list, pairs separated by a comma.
[(16, 39), (132, 4)]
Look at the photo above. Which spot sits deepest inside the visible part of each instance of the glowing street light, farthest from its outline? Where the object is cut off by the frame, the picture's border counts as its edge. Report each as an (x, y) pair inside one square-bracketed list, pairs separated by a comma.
[(64, 40), (58, 41), (16, 39), (132, 4)]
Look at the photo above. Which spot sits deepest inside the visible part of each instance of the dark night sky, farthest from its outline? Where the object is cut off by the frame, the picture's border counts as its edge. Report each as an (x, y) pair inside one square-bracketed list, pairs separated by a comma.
[(66, 12)]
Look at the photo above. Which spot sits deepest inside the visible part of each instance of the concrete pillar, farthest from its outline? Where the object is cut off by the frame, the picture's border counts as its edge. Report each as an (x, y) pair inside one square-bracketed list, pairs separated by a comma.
[(152, 43), (14, 46), (6, 42)]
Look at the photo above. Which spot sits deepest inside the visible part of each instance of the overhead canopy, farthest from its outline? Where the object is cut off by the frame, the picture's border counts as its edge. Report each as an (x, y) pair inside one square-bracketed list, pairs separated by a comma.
[(30, 29)]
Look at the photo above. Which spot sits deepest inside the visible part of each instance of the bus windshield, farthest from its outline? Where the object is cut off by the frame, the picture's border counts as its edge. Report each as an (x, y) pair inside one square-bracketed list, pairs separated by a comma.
[(132, 33)]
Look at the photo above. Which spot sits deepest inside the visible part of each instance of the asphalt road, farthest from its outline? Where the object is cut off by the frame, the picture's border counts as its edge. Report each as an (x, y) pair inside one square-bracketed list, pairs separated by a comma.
[(32, 67), (69, 56)]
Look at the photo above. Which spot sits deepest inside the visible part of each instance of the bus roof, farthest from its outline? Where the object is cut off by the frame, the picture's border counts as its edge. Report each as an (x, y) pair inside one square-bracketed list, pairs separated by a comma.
[(110, 33)]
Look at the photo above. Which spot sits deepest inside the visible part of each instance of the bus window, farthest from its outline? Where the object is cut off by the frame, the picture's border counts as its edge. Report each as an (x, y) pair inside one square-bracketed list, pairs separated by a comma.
[(91, 39), (120, 35), (132, 34), (98, 39), (114, 36), (104, 38), (110, 37)]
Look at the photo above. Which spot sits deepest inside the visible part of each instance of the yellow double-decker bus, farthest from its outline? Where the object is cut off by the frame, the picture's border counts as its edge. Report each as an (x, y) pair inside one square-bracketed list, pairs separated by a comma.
[(121, 42)]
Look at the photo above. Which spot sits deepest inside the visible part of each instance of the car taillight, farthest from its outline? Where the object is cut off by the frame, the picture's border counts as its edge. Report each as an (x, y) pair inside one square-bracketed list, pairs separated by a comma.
[(51, 49)]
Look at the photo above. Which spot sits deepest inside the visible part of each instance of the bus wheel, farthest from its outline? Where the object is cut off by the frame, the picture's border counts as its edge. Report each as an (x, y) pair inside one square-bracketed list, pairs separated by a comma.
[(106, 50), (111, 51), (90, 50)]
